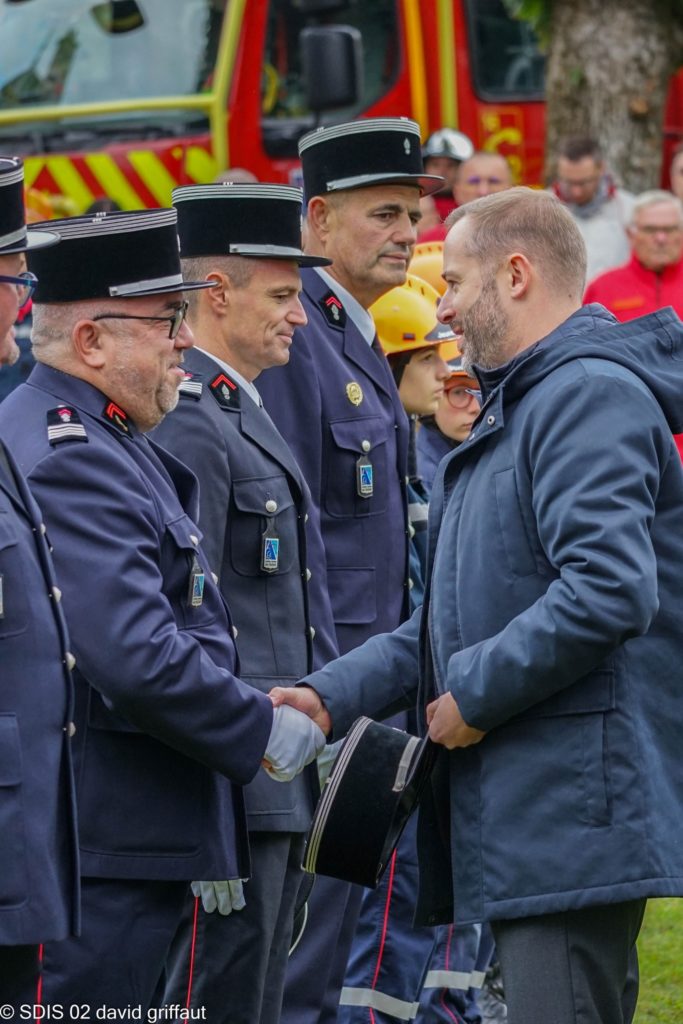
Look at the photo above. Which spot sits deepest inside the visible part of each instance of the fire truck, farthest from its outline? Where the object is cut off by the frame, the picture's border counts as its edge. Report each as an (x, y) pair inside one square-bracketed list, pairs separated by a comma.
[(129, 98)]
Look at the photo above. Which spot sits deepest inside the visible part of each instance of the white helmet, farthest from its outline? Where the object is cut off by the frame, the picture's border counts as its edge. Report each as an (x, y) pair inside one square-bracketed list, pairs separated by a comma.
[(450, 143)]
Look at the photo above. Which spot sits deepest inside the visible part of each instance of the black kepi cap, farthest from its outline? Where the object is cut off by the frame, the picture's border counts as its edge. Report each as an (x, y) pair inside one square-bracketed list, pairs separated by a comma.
[(371, 792), (255, 220), (111, 255), (13, 234), (370, 151)]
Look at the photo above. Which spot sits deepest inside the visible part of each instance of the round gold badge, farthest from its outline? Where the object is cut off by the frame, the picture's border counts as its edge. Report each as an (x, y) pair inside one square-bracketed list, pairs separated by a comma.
[(354, 392)]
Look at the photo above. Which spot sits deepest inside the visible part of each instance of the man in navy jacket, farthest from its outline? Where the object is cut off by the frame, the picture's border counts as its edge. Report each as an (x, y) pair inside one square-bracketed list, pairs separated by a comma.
[(254, 504), (38, 850), (546, 657), (165, 734)]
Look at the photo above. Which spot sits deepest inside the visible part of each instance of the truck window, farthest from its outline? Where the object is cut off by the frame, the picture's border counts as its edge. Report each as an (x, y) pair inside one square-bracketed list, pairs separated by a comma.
[(285, 113), (58, 52), (506, 61)]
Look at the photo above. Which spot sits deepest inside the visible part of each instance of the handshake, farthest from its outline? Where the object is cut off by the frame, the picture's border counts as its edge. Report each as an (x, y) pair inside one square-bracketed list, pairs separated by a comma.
[(297, 736)]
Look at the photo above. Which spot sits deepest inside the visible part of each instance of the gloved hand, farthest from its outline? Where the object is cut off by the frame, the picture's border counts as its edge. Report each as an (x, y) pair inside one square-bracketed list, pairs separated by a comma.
[(295, 740), (223, 896), (326, 761)]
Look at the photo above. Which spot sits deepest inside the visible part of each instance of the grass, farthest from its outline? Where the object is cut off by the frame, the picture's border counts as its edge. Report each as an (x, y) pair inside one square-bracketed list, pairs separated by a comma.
[(660, 952)]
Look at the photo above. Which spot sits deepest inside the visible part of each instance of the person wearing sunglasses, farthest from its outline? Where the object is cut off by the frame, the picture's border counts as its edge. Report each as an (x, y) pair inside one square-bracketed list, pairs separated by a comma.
[(165, 733)]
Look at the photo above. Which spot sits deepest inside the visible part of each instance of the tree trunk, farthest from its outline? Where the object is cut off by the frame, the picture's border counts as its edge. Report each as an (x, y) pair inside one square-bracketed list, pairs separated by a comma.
[(609, 65)]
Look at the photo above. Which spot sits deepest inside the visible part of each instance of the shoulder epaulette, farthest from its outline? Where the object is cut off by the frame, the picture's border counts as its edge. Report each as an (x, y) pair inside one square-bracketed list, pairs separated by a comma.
[(225, 390), (64, 424), (191, 386)]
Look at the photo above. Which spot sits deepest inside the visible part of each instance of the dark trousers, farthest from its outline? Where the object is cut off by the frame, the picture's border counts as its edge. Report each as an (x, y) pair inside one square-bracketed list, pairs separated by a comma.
[(577, 967), (234, 966), (18, 975), (389, 956), (127, 928), (316, 970)]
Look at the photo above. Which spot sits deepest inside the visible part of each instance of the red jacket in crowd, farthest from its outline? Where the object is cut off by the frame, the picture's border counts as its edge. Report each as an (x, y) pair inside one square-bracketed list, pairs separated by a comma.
[(633, 290)]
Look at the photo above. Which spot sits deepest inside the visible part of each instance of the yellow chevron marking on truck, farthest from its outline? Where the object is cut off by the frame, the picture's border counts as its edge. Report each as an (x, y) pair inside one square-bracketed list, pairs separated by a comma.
[(200, 165), (32, 168), (113, 181), (68, 181), (154, 174), (64, 175)]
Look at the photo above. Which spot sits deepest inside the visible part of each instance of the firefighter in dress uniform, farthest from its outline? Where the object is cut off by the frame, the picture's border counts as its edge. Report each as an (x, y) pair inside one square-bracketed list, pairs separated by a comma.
[(166, 734), (254, 502), (337, 405), (39, 900)]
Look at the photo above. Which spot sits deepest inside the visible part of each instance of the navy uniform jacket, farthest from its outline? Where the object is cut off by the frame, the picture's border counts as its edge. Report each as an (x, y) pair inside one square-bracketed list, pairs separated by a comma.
[(251, 489), (159, 712), (38, 847), (337, 405)]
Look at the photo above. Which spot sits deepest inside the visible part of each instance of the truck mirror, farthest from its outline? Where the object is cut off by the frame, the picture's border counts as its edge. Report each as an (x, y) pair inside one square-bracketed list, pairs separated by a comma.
[(332, 66)]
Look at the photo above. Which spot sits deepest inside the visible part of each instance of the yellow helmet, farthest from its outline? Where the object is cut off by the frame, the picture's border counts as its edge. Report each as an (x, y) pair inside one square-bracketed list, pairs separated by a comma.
[(427, 263), (405, 318)]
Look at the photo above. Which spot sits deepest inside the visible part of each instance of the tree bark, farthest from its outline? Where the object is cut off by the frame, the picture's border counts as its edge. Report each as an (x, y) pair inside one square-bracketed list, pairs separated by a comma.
[(609, 65)]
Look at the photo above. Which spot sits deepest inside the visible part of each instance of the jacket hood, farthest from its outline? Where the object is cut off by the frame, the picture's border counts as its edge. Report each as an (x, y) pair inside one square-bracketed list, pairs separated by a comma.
[(651, 347)]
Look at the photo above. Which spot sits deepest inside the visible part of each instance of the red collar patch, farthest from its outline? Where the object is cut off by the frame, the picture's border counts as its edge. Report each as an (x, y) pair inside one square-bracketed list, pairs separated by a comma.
[(225, 391), (117, 416), (333, 310)]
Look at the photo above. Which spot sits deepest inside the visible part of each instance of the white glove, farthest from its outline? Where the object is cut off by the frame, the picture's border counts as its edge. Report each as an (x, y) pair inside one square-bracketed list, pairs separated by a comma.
[(295, 741), (222, 896), (326, 761)]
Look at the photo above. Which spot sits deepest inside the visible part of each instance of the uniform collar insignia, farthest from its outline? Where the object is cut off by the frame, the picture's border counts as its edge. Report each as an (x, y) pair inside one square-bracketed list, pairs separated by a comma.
[(64, 424), (333, 310), (117, 416), (191, 386), (225, 391)]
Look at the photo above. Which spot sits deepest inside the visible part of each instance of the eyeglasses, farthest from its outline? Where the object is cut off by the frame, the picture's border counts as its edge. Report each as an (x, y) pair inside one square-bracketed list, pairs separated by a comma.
[(175, 321), (25, 285), (459, 398)]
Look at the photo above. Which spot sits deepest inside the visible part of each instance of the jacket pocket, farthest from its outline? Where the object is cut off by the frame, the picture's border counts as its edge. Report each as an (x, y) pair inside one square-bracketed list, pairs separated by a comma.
[(350, 440), (139, 797), (352, 595), (258, 503), (592, 692), (14, 615), (13, 849), (512, 530), (594, 775)]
